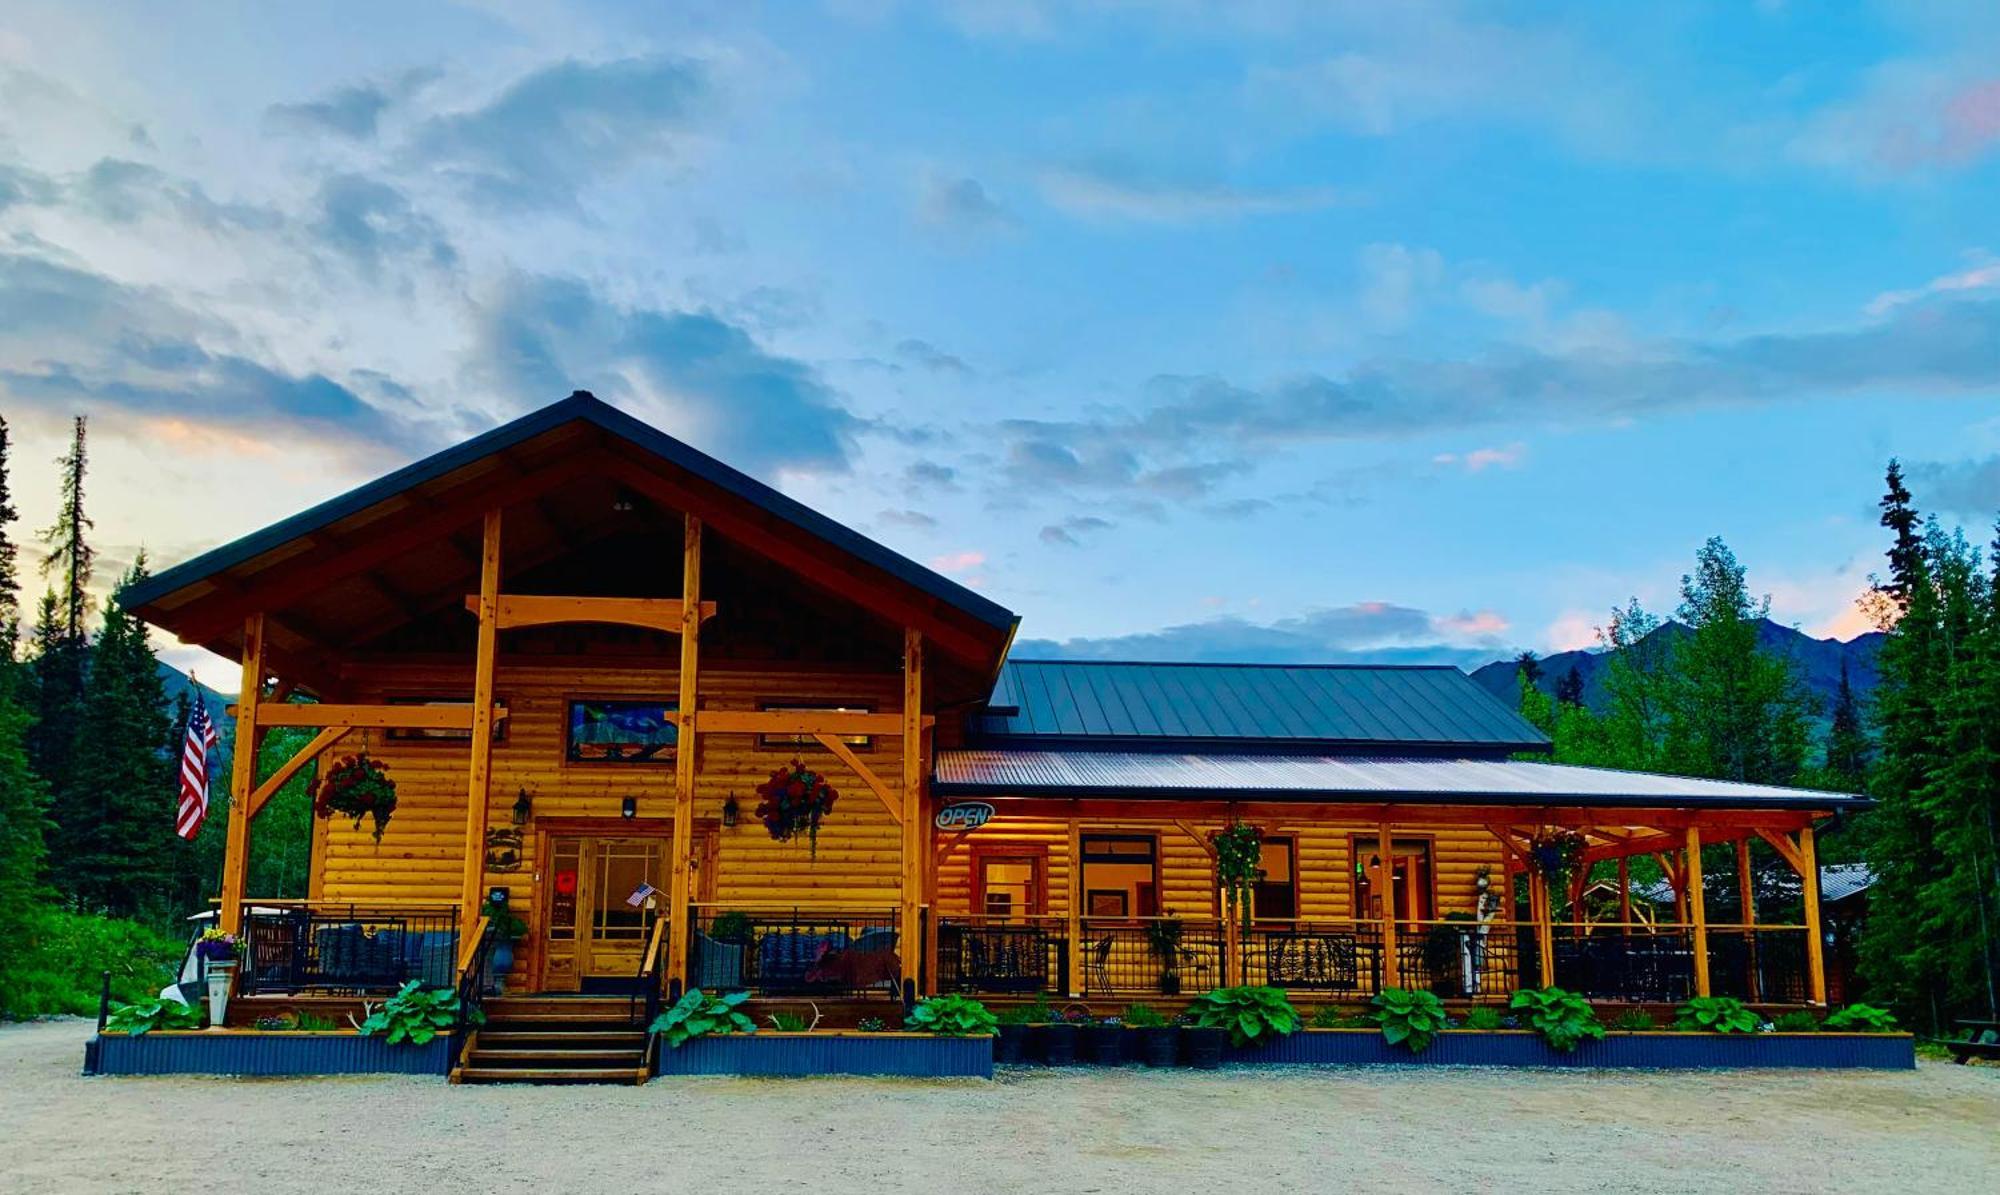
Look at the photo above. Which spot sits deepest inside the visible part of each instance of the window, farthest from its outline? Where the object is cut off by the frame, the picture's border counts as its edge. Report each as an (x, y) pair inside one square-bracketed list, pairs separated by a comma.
[(433, 734), (795, 742), (1276, 895), (621, 731), (1121, 876), (1407, 887), (1010, 885)]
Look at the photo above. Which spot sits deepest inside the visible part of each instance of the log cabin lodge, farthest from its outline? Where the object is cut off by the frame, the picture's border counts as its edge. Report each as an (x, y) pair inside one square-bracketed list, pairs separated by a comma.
[(581, 646)]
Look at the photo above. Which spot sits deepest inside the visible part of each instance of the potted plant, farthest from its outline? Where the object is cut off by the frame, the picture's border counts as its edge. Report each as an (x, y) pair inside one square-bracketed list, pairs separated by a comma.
[(1445, 951), (1105, 1040), (218, 952), (1057, 1034), (1248, 1015), (1201, 1045), (1010, 1041), (507, 930), (1163, 937), (1159, 1038), (952, 1015), (719, 952)]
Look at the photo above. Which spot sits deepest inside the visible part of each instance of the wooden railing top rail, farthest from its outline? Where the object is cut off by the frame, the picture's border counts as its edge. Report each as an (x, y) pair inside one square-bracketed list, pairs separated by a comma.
[(468, 950), (369, 903), (654, 943)]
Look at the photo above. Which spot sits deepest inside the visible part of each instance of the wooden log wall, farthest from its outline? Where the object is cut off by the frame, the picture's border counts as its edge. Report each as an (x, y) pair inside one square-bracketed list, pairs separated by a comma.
[(1325, 880), (420, 855)]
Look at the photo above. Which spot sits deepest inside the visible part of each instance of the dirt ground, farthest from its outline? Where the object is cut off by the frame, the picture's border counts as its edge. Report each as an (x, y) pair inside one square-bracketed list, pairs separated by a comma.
[(1042, 1131)]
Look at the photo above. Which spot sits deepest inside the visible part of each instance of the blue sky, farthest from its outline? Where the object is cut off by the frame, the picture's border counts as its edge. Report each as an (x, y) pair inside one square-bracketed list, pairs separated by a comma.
[(1262, 329)]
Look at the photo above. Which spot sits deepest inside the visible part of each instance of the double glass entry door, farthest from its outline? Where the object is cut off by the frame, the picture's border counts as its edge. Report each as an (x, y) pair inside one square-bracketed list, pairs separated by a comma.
[(600, 909)]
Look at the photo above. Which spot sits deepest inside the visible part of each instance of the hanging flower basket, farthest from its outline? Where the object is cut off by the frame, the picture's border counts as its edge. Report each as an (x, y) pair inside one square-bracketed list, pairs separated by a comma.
[(358, 787), (793, 802), (1239, 863), (1556, 851)]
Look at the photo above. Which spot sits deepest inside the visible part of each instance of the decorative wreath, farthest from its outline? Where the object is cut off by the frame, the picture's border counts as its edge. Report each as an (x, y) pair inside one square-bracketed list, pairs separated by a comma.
[(793, 801), (358, 787)]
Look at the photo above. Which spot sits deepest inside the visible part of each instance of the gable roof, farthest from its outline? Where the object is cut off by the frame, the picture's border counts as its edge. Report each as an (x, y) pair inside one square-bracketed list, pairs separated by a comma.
[(579, 424), (1159, 706)]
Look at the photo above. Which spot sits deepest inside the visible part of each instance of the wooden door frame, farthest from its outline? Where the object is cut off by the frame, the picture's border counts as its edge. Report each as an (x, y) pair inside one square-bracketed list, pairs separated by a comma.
[(1037, 855), (707, 832), (1130, 835), (1356, 837)]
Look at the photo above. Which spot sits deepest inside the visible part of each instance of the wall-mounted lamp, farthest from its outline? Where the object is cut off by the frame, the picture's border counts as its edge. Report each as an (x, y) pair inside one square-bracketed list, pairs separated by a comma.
[(729, 810), (629, 807), (523, 806)]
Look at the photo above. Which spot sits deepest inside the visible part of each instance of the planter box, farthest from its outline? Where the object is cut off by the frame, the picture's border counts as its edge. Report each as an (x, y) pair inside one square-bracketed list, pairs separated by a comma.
[(164, 1052), (918, 1055), (1365, 1047)]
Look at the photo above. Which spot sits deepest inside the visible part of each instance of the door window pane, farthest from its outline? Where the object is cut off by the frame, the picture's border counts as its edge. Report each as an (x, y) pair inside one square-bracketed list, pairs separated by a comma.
[(621, 868), (1009, 885), (1120, 875)]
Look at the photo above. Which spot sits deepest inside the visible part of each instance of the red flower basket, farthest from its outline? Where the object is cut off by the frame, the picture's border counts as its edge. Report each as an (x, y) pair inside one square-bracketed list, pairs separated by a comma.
[(357, 787), (793, 802)]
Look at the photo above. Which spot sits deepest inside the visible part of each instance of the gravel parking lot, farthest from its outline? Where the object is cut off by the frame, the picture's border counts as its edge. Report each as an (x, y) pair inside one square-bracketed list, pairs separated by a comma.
[(1112, 1131)]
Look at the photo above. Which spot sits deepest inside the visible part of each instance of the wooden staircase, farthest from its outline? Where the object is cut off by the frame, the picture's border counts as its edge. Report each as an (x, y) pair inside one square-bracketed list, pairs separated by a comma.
[(556, 1039)]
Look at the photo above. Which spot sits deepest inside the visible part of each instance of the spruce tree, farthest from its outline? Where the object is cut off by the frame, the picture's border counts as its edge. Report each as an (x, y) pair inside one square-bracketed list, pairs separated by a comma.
[(10, 583), (21, 794), (1848, 750), (1569, 690), (60, 664)]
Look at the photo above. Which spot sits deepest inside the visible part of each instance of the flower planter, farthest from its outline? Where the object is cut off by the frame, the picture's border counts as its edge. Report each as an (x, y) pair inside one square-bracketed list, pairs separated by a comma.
[(169, 1052), (917, 1055), (1202, 1048), (1159, 1046), (1010, 1044), (1106, 1044), (220, 974), (1058, 1043), (1365, 1047)]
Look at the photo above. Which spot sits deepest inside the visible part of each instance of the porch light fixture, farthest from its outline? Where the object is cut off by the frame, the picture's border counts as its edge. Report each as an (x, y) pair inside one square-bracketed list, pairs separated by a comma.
[(629, 807), (622, 502), (729, 810)]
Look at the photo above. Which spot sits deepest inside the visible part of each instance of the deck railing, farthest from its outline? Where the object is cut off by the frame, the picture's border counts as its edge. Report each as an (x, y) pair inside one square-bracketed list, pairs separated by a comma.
[(1331, 958), (793, 951), (1761, 964), (1158, 955), (1002, 955), (1465, 959), (300, 946), (1635, 962)]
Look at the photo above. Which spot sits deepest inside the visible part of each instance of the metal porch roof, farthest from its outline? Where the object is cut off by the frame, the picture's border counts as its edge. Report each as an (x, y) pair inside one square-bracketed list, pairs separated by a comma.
[(1380, 707), (999, 773)]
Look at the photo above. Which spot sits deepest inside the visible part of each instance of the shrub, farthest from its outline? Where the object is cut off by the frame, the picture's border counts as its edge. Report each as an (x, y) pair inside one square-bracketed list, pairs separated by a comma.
[(57, 971), (416, 1014), (1796, 1021), (1332, 1016), (1563, 1018), (1717, 1014), (731, 926), (872, 1025), (1861, 1018), (1143, 1016), (1635, 1020), (1409, 1018), (142, 1016), (698, 1014), (1485, 1018), (1251, 1014), (951, 1016), (789, 1022)]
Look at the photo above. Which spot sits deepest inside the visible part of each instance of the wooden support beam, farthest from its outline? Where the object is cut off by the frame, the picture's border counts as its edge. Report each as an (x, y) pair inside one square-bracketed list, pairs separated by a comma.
[(376, 717), (680, 885), (1746, 899), (1697, 910), (1625, 890), (912, 943), (1073, 981), (802, 722), (1201, 840), (242, 776), (534, 610), (479, 779), (1545, 938), (891, 800), (290, 768), (1385, 850), (1815, 940), (931, 872), (1786, 848)]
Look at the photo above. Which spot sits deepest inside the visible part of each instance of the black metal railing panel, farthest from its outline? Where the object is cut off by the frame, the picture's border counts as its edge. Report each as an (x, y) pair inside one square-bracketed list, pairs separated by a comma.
[(472, 993), (1762, 964), (1463, 960), (346, 948), (796, 952), (1002, 954), (1637, 963), (1329, 957), (1163, 955)]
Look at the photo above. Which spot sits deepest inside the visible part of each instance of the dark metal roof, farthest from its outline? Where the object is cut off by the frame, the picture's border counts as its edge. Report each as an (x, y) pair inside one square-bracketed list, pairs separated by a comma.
[(1320, 706), (585, 407), (1338, 778)]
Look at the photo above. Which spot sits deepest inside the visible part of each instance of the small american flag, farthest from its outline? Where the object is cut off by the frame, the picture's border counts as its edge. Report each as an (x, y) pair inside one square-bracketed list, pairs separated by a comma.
[(194, 773)]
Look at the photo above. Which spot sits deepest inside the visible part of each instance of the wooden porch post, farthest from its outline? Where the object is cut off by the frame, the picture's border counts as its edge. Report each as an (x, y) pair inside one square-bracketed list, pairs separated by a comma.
[(1075, 953), (479, 782), (242, 776), (1815, 943), (1624, 891), (1697, 910), (680, 883), (914, 822), (1541, 908), (1746, 896), (931, 863), (1385, 851)]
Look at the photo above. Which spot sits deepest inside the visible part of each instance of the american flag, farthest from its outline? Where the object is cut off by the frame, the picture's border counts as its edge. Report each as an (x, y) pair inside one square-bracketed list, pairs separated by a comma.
[(194, 773)]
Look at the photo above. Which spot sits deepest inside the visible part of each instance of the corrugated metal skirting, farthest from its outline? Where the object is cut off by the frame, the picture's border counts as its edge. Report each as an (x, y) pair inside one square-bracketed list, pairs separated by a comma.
[(1665, 1051), (267, 1054), (823, 1054)]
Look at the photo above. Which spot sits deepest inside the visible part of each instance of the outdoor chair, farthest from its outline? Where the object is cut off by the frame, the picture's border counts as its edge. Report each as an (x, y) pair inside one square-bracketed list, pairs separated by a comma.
[(1097, 972)]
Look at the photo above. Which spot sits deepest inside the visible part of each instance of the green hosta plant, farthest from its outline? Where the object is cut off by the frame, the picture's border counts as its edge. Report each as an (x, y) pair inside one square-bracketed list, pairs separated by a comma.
[(1796, 1021), (1861, 1018), (416, 1014), (698, 1014), (1409, 1018), (952, 1016), (142, 1016), (1484, 1018), (1717, 1014), (1563, 1018), (1251, 1014)]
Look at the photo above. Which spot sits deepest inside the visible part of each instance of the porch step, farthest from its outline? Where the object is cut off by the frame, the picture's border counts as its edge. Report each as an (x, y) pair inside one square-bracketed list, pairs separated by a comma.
[(480, 1074), (505, 1038), (501, 1008), (571, 1059)]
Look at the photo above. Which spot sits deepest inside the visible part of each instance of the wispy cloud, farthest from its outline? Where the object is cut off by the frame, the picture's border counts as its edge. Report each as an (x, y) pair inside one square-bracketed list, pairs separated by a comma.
[(1108, 195), (1983, 274), (964, 204), (353, 111), (1379, 632)]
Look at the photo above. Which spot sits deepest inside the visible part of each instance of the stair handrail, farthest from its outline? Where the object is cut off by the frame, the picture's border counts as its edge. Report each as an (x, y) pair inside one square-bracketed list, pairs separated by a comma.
[(473, 958), (649, 979)]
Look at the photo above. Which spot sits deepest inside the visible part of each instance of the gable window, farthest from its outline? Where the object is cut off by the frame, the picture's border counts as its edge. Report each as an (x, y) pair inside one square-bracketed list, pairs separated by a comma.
[(806, 742), (1121, 875), (621, 731), (443, 734)]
